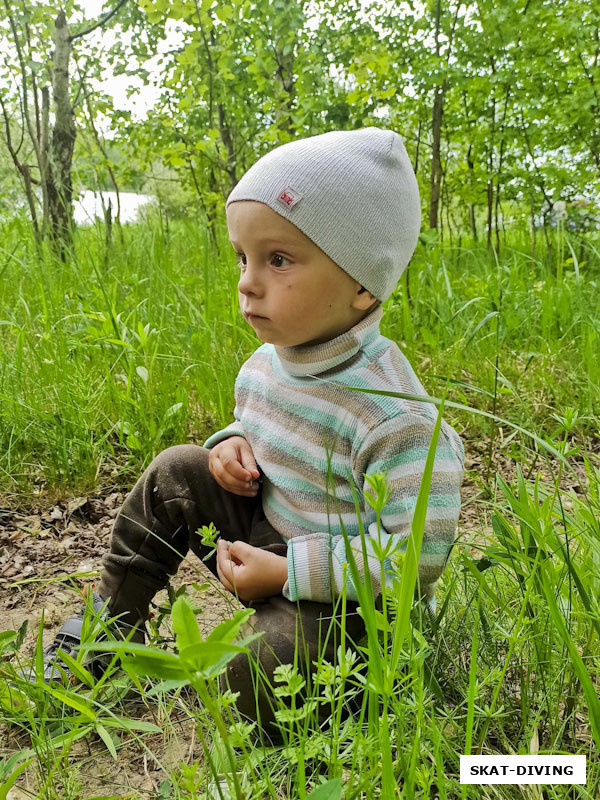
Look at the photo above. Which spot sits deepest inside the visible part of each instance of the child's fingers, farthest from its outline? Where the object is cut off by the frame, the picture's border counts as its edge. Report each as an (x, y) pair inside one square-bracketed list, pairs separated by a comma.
[(249, 468), (232, 464), (228, 561), (247, 461), (225, 582), (222, 561), (235, 478)]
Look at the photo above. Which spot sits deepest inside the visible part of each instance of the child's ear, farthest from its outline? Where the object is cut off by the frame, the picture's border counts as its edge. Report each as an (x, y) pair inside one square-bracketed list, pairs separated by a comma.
[(375, 301)]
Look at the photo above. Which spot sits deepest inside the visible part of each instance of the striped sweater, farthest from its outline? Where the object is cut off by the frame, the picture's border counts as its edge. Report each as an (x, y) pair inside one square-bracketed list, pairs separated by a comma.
[(290, 407)]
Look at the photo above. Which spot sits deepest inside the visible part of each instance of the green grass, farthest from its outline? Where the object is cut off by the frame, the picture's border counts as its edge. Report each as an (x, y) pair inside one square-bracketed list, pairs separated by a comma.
[(113, 356)]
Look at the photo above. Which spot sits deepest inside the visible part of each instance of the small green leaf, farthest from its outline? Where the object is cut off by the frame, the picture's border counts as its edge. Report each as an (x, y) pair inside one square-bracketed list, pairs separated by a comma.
[(381, 622), (131, 724), (165, 790), (228, 630), (71, 736), (72, 700), (77, 669), (9, 779), (123, 648), (224, 12), (6, 766), (201, 656), (13, 699), (185, 626), (172, 410), (6, 638), (166, 686), (133, 443), (21, 636), (155, 666), (142, 659), (107, 739)]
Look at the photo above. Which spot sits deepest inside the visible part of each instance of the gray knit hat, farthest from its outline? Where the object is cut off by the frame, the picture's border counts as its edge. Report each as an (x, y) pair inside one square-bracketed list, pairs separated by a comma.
[(354, 193)]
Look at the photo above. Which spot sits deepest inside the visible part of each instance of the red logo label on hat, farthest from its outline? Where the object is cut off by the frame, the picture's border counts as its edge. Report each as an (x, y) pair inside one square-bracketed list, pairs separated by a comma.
[(289, 197)]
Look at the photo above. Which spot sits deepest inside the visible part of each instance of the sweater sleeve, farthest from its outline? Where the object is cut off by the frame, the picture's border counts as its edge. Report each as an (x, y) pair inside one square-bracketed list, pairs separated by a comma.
[(399, 447), (233, 429)]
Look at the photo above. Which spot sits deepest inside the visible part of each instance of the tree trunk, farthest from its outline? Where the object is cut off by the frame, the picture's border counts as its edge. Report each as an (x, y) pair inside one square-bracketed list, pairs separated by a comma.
[(43, 158), (416, 166), (227, 140), (436, 164), (471, 184), (473, 221), (60, 187), (24, 171)]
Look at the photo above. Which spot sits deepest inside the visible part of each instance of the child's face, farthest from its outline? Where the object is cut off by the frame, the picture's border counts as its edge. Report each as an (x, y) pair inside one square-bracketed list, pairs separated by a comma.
[(303, 296)]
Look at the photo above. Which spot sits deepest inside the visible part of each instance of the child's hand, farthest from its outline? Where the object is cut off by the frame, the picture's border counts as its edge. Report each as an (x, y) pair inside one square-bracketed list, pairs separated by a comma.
[(255, 573), (232, 464)]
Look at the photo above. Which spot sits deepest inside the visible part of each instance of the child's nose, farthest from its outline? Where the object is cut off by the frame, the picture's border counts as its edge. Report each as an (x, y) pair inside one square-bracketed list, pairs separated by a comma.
[(250, 272), (249, 277)]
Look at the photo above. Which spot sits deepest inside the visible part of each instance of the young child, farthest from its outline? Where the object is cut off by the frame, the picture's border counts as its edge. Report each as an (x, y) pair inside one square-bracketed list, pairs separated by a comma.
[(323, 227)]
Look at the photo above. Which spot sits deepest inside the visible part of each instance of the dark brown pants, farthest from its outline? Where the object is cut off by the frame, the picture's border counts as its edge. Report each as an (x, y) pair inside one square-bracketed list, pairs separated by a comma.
[(153, 531)]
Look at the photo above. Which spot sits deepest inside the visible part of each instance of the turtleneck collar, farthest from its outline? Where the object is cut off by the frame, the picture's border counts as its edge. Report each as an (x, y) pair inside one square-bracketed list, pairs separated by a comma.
[(313, 359)]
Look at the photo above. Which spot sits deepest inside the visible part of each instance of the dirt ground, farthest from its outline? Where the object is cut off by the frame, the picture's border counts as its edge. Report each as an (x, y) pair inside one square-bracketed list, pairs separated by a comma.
[(40, 546)]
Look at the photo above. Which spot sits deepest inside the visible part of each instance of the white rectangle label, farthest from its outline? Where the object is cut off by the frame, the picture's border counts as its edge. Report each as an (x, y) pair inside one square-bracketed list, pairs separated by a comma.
[(522, 769)]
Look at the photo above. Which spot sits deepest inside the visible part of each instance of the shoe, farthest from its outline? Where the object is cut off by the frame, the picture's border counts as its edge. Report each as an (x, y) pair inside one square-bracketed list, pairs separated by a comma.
[(69, 637)]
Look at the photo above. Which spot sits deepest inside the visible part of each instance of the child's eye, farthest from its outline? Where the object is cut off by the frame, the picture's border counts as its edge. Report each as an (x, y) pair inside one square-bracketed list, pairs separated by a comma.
[(276, 255), (283, 258)]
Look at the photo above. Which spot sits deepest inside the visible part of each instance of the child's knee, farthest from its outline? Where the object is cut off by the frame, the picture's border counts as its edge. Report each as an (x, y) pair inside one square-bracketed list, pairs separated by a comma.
[(175, 468), (179, 457)]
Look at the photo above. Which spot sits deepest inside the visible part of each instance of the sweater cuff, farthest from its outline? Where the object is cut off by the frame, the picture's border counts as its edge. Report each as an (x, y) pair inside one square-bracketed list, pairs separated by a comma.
[(234, 429), (308, 568)]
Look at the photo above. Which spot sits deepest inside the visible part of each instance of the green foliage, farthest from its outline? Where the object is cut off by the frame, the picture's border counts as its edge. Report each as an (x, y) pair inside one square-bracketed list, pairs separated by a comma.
[(10, 769), (197, 659), (113, 356), (331, 790), (519, 104)]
